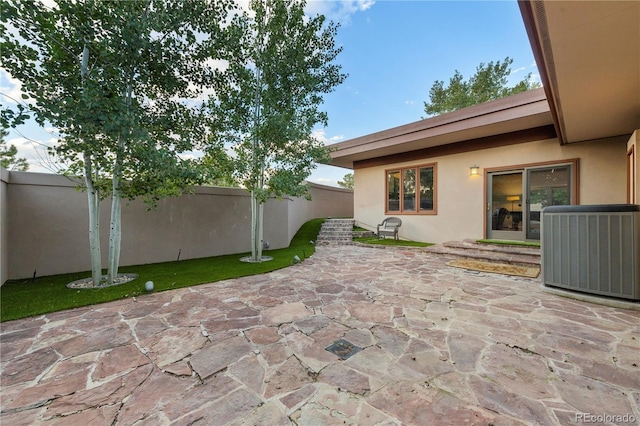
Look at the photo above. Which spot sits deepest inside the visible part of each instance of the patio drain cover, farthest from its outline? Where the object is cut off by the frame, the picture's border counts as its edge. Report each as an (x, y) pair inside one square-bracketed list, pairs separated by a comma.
[(343, 349)]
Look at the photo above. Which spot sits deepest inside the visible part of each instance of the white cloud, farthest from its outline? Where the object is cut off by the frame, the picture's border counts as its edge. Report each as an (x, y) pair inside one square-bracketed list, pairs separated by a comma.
[(191, 155), (409, 102), (244, 5), (338, 10), (318, 7), (324, 181), (51, 4), (35, 153), (328, 175), (11, 88), (334, 10), (22, 144), (535, 78), (320, 135)]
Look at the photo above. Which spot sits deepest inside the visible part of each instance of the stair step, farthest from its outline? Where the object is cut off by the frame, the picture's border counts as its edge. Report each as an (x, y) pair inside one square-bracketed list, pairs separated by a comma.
[(336, 231), (338, 222), (337, 227), (494, 248), (339, 232), (362, 234), (515, 255)]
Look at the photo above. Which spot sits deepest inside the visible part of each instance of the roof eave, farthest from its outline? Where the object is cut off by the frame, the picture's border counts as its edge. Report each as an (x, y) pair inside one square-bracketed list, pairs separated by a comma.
[(538, 34), (517, 112)]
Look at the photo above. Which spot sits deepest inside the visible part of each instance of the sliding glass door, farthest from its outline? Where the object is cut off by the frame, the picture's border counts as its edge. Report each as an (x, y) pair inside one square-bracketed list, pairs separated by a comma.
[(515, 199), (504, 206), (550, 186)]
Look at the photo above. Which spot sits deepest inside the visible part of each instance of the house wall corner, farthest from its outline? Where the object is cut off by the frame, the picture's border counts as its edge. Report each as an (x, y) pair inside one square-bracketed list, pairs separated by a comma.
[(633, 168)]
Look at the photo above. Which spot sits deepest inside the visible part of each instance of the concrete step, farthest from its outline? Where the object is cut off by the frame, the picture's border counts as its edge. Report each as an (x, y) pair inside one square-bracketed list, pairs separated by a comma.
[(334, 236), (510, 254), (331, 230), (333, 241), (336, 228), (338, 221), (336, 231), (362, 234), (340, 227)]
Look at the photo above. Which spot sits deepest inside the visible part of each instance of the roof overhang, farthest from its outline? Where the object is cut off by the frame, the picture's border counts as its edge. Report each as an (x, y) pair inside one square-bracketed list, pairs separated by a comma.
[(472, 126), (588, 55)]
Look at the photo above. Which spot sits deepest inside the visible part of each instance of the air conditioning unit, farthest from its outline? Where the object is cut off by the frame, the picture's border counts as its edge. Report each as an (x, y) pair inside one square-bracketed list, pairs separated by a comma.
[(592, 249)]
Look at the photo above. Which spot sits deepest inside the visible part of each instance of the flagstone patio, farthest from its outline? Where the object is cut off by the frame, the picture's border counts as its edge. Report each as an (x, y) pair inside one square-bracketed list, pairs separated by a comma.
[(438, 346)]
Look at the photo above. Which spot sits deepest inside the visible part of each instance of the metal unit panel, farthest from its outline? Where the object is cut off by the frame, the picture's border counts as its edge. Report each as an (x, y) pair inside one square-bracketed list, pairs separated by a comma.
[(592, 249)]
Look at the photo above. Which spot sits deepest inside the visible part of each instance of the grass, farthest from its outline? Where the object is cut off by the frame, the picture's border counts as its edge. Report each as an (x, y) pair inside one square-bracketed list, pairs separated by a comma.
[(391, 242), (26, 298), (511, 243)]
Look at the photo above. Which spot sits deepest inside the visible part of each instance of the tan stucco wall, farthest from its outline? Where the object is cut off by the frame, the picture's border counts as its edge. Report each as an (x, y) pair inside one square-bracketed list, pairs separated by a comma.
[(46, 220), (461, 202), (4, 254), (326, 201)]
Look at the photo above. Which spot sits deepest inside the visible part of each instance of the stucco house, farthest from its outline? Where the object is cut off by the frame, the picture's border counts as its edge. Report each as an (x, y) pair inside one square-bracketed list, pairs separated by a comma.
[(487, 171)]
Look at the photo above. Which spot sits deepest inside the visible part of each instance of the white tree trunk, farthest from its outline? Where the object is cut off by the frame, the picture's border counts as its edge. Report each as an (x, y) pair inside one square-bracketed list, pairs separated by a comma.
[(260, 239), (114, 233), (256, 206), (259, 227), (93, 198), (257, 215), (115, 228), (254, 227)]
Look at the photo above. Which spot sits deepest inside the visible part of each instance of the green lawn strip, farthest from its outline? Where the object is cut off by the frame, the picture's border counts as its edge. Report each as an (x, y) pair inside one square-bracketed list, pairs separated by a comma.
[(391, 242), (25, 298), (511, 243)]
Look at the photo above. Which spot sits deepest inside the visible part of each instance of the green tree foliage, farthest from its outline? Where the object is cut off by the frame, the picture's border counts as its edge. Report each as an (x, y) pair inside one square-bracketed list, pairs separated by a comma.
[(347, 181), (488, 83), (278, 71), (9, 155), (217, 170), (120, 81)]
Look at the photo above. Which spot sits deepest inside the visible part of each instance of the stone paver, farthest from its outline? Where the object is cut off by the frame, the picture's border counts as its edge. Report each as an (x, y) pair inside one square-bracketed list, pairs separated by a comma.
[(440, 346)]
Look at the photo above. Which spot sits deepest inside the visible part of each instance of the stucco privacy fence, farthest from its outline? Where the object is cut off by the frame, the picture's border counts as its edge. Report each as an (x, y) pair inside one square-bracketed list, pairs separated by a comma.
[(44, 224)]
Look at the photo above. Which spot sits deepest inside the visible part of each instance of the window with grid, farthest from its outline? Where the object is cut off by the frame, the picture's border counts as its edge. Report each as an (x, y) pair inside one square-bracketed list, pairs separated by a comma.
[(411, 190)]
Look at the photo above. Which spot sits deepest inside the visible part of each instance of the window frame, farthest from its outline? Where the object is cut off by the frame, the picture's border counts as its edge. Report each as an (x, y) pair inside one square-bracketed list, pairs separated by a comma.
[(401, 186)]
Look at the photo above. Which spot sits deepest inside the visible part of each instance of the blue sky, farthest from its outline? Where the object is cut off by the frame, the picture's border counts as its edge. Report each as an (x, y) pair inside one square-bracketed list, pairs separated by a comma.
[(393, 51)]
